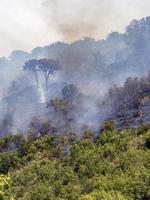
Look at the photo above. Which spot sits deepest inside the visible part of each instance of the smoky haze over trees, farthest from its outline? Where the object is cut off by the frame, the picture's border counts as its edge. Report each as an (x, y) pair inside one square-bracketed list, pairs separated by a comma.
[(129, 105), (47, 66), (93, 67)]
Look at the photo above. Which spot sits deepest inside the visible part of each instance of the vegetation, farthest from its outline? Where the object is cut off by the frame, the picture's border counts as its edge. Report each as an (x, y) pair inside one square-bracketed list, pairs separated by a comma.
[(113, 165), (5, 184), (130, 104), (46, 66)]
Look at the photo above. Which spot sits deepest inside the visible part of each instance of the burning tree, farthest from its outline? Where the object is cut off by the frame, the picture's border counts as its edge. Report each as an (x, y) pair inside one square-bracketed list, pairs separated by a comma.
[(48, 67), (32, 66)]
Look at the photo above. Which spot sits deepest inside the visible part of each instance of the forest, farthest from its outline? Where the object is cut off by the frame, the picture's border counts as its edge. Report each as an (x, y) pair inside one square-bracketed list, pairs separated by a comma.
[(33, 84), (75, 119), (111, 165)]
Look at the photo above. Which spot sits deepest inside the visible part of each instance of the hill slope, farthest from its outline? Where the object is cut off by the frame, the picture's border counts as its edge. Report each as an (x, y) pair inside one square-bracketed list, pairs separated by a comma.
[(114, 166), (129, 105)]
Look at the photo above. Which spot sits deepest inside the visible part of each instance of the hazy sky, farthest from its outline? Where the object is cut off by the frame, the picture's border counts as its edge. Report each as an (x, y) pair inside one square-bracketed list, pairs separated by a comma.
[(25, 24)]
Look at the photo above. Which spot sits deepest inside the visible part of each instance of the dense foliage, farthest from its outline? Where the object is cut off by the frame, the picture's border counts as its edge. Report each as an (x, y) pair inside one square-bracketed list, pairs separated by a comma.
[(113, 165), (129, 105), (5, 184)]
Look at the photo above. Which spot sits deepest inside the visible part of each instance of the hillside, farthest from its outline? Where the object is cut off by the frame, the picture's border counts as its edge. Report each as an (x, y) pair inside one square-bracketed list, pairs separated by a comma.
[(75, 119), (91, 66), (113, 165), (74, 100), (129, 105)]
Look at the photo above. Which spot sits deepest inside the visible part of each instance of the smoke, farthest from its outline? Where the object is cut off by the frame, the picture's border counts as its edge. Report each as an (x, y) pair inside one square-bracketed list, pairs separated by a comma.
[(42, 21), (91, 66), (74, 19), (42, 94)]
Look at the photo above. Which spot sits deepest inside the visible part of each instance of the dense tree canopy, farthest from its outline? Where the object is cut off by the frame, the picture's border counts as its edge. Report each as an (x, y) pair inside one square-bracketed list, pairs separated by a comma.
[(111, 166)]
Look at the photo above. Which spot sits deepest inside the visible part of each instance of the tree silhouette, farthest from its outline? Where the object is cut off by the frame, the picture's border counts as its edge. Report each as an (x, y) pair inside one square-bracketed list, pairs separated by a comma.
[(32, 66), (48, 67)]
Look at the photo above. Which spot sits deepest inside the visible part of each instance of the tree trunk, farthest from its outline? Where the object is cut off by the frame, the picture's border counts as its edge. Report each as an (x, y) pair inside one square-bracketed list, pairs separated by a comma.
[(46, 81), (36, 76)]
